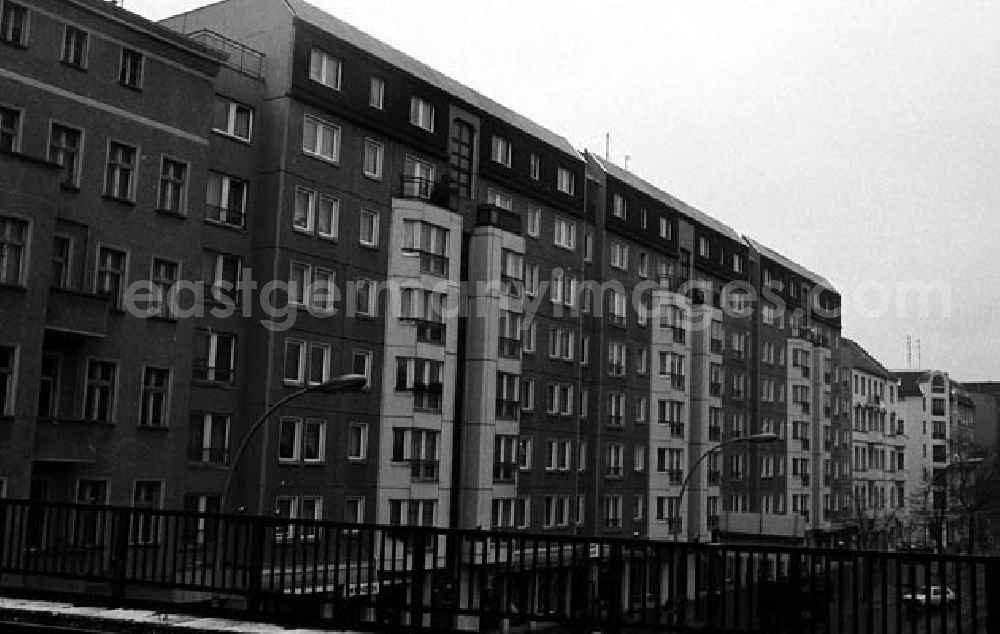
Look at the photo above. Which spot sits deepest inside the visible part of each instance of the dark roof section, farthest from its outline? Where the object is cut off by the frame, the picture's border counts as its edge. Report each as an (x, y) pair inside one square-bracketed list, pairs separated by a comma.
[(776, 257), (909, 382), (865, 362), (322, 20), (658, 194)]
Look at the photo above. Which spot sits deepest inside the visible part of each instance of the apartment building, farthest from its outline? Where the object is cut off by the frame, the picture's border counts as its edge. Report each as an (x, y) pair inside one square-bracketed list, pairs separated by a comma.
[(876, 509), (551, 343)]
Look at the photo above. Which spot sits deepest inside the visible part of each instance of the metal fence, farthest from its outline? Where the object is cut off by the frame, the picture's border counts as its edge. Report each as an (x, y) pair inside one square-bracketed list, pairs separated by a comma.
[(378, 577)]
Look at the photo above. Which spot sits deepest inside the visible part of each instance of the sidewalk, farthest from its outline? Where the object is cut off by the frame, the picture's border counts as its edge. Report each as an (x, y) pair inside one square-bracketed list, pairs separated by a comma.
[(85, 618)]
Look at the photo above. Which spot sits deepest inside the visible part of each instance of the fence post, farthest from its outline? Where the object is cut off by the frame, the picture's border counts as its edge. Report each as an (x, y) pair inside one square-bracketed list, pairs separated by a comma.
[(417, 589), (119, 552), (255, 570), (992, 594)]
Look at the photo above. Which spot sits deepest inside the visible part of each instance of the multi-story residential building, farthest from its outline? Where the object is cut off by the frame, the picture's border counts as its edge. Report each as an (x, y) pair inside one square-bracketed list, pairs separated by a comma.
[(876, 510), (551, 343), (941, 443)]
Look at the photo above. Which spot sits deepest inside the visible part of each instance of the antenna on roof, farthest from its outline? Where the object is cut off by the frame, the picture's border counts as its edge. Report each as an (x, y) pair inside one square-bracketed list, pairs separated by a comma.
[(607, 146), (627, 157), (919, 362), (909, 353)]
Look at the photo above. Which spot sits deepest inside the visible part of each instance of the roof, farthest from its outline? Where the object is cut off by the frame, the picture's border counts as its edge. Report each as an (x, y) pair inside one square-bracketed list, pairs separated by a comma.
[(863, 361), (322, 20), (909, 382), (773, 255), (658, 194)]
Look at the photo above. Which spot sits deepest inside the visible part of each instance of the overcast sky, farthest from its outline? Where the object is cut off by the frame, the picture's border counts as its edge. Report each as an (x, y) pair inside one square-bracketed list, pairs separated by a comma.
[(861, 139)]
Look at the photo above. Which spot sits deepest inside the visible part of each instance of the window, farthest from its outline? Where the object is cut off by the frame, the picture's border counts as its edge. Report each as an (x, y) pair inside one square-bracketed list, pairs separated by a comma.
[(430, 242), (223, 273), (354, 510), (374, 152), (305, 507), (325, 69), (527, 395), (588, 247), (364, 298), (218, 360), (419, 181), (357, 441), (499, 199), (99, 401), (565, 181), (295, 361), (376, 93), (48, 383), (14, 23), (613, 511), (8, 376), (232, 118), (130, 73), (13, 245), (564, 234), (422, 377), (209, 438), (531, 279), (164, 275), (119, 181), (64, 150), (534, 166), (369, 228), (617, 308), (147, 494), (665, 229), (619, 255), (737, 263), (316, 213), (704, 249), (638, 506), (362, 364), (321, 139), (639, 458), (533, 221), (10, 130), (173, 186), (319, 363), (422, 113), (500, 152), (524, 453), (300, 440), (155, 391), (419, 447), (643, 264), (619, 207), (557, 455), (225, 199)]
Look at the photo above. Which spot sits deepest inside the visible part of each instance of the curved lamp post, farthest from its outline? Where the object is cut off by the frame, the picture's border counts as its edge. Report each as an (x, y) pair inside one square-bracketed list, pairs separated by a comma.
[(755, 438), (340, 383)]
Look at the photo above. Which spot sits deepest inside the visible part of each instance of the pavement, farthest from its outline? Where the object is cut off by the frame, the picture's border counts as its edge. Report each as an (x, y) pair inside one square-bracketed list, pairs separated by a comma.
[(22, 615)]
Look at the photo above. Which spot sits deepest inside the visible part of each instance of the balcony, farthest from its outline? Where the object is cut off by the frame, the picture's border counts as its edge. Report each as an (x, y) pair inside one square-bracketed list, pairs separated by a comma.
[(827, 445), (805, 443), (716, 346), (713, 522), (504, 471), (508, 410), (805, 406), (239, 57), (424, 470), (715, 434), (415, 187), (715, 477), (435, 264), (805, 371), (715, 389), (509, 348), (677, 382), (675, 476), (827, 478), (805, 479), (939, 435), (427, 331), (69, 440), (493, 216), (679, 335), (677, 430), (78, 313)]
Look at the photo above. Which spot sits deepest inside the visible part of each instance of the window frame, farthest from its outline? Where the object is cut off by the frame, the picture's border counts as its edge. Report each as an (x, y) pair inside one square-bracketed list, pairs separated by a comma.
[(232, 111), (322, 127), (112, 192), (24, 259), (126, 79), (421, 109), (321, 75), (379, 149), (376, 97), (165, 393), (372, 241), (25, 25), (181, 204)]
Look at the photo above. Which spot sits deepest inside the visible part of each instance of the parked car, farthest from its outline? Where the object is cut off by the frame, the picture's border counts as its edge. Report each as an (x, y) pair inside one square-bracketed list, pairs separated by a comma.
[(939, 596)]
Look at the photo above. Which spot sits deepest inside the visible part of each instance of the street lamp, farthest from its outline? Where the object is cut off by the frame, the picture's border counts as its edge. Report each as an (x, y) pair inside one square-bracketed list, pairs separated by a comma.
[(762, 438), (340, 383)]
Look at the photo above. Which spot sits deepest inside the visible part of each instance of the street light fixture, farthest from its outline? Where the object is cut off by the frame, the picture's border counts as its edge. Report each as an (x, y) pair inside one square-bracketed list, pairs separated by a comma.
[(344, 382), (756, 439)]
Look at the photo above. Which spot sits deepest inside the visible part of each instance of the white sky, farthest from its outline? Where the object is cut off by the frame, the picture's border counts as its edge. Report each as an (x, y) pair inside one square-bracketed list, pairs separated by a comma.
[(861, 139)]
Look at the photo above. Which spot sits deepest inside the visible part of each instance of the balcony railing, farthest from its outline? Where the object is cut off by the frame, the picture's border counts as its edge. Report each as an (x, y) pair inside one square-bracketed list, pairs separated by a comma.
[(715, 477), (715, 434), (805, 479), (503, 219), (715, 389), (239, 57), (675, 476), (427, 331), (676, 430), (422, 470), (677, 382), (430, 263), (939, 435), (504, 471), (434, 192), (507, 409), (509, 348), (805, 406)]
